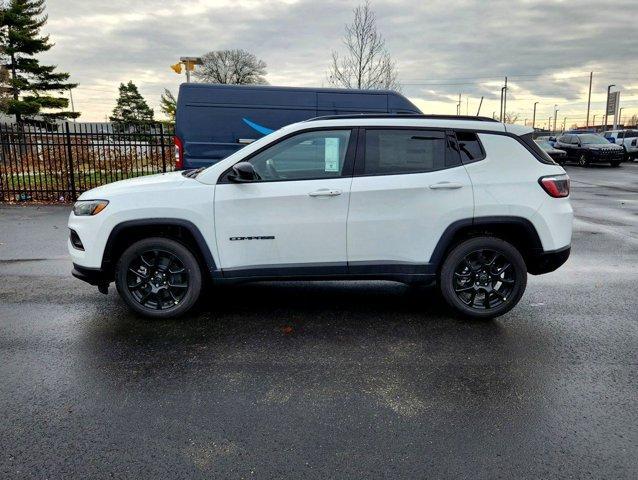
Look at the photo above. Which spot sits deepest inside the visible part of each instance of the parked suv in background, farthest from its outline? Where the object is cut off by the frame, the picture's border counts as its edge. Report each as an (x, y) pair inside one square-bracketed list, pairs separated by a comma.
[(628, 139), (586, 148), (469, 203)]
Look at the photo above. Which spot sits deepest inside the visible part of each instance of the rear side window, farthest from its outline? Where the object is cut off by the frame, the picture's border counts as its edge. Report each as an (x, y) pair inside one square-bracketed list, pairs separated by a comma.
[(399, 151), (535, 150), (632, 134), (470, 147)]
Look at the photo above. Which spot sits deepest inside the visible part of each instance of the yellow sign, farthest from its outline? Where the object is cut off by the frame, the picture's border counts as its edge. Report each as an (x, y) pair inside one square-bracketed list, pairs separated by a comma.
[(177, 68)]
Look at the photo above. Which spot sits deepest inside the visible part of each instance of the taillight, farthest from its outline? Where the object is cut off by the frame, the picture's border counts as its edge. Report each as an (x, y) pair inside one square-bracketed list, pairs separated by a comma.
[(179, 153), (556, 186)]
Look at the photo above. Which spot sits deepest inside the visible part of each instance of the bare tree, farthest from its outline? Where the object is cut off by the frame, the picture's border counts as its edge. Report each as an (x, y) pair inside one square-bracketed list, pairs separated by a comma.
[(237, 67), (511, 117), (366, 63)]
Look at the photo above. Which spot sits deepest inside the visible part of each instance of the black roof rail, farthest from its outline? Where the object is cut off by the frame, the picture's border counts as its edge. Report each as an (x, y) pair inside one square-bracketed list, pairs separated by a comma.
[(405, 115)]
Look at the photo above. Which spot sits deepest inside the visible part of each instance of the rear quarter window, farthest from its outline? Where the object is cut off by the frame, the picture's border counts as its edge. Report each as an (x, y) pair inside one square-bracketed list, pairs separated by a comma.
[(535, 150), (470, 147)]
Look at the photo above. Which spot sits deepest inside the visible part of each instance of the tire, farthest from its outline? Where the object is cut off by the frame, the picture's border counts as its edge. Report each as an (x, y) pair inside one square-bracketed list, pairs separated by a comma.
[(158, 278), (465, 287), (614, 164), (583, 161)]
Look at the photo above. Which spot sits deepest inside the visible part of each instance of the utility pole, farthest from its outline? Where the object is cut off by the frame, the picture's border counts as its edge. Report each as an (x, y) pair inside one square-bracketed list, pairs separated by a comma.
[(549, 124), (458, 106), (478, 112), (564, 123), (534, 115), (467, 105), (500, 113), (505, 99), (555, 116), (525, 123), (594, 121), (591, 76), (607, 104), (620, 116), (72, 106)]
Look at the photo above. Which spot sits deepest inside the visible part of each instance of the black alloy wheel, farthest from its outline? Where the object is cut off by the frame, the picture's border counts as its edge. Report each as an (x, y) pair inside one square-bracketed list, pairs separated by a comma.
[(483, 277), (583, 161), (158, 277)]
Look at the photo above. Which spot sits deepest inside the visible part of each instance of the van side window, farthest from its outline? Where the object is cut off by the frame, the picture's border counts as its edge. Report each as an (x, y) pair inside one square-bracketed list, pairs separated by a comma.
[(397, 151), (469, 147)]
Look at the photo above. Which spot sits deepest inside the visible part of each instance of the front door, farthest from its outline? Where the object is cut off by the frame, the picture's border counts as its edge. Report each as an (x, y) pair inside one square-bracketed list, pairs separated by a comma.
[(292, 220)]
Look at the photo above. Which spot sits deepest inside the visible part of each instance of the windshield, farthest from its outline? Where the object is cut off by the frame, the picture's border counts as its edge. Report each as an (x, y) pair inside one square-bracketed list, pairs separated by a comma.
[(592, 139)]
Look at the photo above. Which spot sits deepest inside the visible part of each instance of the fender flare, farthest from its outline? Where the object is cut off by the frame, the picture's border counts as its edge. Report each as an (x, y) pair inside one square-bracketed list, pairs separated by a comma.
[(161, 222), (450, 232)]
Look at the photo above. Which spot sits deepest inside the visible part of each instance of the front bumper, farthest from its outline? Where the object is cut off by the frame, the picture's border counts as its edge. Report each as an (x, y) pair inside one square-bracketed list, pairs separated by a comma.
[(546, 262), (92, 276)]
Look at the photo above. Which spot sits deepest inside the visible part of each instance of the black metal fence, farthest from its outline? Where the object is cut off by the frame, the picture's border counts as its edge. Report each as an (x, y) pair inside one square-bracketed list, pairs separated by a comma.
[(58, 162)]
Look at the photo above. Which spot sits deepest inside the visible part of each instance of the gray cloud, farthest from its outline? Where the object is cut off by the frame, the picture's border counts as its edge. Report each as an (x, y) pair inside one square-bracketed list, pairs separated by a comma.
[(453, 46)]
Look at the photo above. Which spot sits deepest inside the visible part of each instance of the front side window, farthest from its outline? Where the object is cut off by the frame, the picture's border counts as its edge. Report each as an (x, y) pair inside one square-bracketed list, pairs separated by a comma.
[(399, 151), (308, 155)]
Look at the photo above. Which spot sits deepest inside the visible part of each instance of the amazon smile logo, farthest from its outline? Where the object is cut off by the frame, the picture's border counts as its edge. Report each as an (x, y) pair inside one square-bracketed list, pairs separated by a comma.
[(258, 128)]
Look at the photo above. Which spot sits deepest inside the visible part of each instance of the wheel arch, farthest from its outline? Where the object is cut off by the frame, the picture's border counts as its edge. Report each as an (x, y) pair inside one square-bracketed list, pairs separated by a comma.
[(126, 233), (518, 231)]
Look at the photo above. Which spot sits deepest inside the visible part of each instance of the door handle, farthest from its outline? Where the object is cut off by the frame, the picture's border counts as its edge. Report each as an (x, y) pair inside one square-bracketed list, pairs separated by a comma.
[(446, 186), (325, 192)]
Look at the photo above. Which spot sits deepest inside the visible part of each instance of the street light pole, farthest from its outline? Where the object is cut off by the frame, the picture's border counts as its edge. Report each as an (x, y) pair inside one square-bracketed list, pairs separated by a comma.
[(591, 76), (620, 116), (534, 115), (549, 124), (607, 104), (555, 116)]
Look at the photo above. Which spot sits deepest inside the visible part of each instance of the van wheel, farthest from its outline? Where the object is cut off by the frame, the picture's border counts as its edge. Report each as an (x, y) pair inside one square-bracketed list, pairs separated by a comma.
[(483, 277), (158, 278)]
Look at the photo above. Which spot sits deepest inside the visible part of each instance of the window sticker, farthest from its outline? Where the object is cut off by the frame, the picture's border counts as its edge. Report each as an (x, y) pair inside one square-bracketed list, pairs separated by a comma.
[(331, 155)]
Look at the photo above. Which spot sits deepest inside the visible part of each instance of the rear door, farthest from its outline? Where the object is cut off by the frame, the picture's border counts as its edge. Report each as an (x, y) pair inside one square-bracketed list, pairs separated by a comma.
[(409, 186)]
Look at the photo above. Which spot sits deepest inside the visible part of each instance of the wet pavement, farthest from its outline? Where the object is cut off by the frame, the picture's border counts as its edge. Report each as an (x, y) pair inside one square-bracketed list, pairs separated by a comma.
[(329, 379)]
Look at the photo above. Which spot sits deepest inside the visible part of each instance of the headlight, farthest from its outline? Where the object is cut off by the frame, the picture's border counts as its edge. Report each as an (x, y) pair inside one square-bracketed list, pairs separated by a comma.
[(89, 207)]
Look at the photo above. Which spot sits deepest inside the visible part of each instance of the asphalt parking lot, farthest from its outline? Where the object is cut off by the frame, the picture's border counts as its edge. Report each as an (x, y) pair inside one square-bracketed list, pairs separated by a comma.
[(325, 380)]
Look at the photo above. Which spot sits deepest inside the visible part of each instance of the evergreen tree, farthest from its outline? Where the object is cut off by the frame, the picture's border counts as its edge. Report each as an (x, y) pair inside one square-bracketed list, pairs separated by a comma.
[(131, 106), (168, 104), (32, 86)]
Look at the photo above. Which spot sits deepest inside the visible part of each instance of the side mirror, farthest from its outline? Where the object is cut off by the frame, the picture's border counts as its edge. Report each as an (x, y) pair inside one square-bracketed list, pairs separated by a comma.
[(243, 172)]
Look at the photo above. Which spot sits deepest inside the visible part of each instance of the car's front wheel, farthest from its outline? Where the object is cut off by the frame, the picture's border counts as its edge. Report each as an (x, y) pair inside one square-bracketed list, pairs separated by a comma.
[(158, 277), (483, 277), (583, 161)]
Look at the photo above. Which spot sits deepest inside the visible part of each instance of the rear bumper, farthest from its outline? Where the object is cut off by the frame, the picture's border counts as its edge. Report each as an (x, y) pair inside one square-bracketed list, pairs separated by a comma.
[(546, 262), (92, 276)]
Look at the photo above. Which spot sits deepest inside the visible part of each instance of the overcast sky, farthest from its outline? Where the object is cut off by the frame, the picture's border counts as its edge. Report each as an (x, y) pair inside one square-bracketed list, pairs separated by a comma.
[(442, 48)]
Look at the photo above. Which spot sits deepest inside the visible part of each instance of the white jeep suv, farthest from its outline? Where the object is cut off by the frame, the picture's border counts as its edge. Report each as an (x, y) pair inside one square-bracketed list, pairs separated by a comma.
[(466, 202)]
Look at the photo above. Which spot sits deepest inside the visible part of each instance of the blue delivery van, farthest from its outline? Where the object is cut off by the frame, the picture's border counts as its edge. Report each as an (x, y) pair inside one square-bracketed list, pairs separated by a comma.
[(214, 121)]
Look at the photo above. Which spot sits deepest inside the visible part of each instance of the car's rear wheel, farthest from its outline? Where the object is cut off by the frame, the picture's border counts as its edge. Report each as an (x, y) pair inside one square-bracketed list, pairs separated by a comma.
[(583, 161), (483, 277), (158, 277)]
